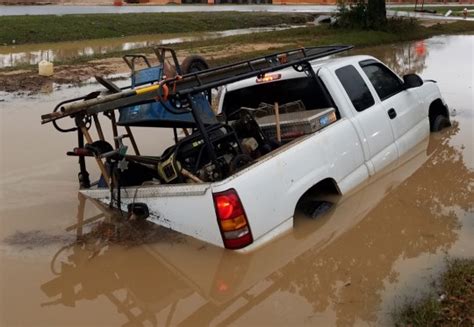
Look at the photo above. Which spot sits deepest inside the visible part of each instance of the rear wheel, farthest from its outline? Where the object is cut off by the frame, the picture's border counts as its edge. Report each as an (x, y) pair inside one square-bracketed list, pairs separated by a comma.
[(193, 64), (439, 123)]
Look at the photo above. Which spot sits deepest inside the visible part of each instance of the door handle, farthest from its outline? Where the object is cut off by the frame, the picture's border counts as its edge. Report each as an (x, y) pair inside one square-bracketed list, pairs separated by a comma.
[(392, 113)]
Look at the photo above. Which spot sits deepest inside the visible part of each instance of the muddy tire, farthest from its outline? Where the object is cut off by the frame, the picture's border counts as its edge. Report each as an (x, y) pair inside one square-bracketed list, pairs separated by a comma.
[(439, 123), (193, 64), (100, 147)]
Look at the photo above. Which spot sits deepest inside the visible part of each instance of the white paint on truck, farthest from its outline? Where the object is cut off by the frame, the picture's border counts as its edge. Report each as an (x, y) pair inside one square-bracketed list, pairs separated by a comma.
[(379, 120)]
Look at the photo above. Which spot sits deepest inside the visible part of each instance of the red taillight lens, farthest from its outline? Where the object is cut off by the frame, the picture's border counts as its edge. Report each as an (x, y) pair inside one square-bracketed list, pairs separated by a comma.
[(228, 205), (232, 220)]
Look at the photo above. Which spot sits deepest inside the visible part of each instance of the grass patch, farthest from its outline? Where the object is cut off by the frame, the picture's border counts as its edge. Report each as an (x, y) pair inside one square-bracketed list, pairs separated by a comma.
[(37, 29), (455, 306)]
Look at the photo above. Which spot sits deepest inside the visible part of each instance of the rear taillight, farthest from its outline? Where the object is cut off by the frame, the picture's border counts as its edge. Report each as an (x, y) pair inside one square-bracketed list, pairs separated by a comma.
[(232, 220)]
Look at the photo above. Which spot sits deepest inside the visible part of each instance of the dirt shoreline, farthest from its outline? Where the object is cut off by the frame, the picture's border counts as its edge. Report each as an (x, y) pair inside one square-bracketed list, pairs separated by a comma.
[(27, 81)]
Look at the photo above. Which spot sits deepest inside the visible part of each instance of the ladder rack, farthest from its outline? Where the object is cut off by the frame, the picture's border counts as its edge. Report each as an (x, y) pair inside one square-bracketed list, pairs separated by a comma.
[(182, 87)]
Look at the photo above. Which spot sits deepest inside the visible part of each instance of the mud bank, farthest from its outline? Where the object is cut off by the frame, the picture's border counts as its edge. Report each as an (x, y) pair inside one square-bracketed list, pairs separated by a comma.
[(29, 82), (63, 262), (12, 56)]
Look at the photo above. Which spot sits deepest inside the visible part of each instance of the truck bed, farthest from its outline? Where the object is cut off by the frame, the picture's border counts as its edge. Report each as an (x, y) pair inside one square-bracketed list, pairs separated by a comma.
[(189, 208)]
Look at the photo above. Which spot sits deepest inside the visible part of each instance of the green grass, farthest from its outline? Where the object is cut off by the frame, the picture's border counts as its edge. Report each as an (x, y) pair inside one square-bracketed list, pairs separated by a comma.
[(37, 29), (455, 305)]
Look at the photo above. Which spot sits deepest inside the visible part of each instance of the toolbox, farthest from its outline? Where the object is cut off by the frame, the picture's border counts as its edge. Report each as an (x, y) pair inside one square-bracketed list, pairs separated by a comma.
[(295, 124)]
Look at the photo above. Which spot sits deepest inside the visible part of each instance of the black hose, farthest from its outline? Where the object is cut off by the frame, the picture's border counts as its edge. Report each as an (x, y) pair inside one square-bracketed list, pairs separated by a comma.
[(165, 105)]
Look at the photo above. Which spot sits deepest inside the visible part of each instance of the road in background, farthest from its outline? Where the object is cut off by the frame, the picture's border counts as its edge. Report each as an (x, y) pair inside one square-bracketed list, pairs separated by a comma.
[(323, 9), (69, 10)]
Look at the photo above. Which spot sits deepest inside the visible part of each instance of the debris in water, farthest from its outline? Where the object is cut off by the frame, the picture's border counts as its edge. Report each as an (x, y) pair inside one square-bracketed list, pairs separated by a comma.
[(442, 297), (36, 238), (130, 233)]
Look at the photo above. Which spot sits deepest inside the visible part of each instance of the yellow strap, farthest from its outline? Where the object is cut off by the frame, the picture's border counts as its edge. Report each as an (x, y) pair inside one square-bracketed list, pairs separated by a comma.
[(147, 89)]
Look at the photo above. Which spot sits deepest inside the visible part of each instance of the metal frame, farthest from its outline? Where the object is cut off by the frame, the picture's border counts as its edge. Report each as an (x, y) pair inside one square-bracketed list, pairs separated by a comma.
[(180, 89), (160, 53)]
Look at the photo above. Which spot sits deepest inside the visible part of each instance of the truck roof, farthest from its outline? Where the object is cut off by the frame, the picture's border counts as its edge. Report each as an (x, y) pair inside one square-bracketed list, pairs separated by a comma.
[(289, 73)]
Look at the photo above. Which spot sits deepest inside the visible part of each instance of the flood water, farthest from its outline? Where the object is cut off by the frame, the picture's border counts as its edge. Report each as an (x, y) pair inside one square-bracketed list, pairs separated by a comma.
[(14, 55), (351, 266)]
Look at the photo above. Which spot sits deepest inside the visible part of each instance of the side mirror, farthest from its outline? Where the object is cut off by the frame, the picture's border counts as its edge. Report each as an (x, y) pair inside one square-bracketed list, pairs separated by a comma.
[(412, 80)]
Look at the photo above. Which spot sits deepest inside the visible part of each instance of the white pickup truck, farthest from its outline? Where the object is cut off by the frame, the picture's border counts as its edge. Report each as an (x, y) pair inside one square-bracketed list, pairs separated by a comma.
[(378, 118)]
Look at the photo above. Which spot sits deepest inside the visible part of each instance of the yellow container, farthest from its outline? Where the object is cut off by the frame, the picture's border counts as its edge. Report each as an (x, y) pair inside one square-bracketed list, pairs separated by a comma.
[(45, 68)]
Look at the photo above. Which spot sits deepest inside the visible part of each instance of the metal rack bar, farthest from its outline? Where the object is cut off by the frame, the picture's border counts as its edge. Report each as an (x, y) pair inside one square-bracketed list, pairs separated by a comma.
[(196, 82)]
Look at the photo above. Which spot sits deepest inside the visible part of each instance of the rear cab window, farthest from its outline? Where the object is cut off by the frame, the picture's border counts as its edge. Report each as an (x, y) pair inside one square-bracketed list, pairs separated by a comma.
[(355, 87), (301, 89)]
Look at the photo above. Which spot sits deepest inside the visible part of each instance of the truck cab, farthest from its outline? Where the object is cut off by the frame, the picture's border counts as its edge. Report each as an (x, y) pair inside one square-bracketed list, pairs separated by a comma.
[(388, 114)]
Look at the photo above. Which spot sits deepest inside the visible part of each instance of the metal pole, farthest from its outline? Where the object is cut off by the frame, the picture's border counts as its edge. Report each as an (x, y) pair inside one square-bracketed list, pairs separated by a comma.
[(84, 181), (132, 140), (98, 127), (114, 128), (202, 129), (277, 122), (101, 165), (175, 135)]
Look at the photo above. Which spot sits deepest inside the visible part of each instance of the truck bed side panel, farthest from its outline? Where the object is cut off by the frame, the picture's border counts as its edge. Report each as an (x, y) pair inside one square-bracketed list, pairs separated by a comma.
[(187, 208), (270, 189)]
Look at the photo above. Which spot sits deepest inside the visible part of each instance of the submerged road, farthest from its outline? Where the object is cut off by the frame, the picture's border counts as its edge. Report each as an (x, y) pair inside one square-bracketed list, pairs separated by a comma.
[(69, 10)]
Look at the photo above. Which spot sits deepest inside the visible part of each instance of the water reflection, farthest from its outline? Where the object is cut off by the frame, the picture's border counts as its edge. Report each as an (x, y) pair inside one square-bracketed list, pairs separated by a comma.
[(11, 56), (339, 264), (403, 58), (413, 218)]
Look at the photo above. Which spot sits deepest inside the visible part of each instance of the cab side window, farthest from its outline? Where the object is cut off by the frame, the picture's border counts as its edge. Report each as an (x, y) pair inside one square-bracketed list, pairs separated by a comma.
[(384, 81), (355, 87)]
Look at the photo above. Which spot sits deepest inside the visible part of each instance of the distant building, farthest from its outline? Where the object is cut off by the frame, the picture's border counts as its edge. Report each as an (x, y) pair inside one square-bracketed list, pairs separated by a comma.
[(216, 2), (280, 2), (210, 2)]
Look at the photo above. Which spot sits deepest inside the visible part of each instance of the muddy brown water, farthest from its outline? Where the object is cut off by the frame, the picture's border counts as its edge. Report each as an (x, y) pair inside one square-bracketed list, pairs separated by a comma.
[(384, 242), (15, 55)]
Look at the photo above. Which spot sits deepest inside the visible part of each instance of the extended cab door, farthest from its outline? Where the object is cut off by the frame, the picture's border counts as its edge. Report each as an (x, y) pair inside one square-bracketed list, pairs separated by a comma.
[(371, 117), (403, 106)]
